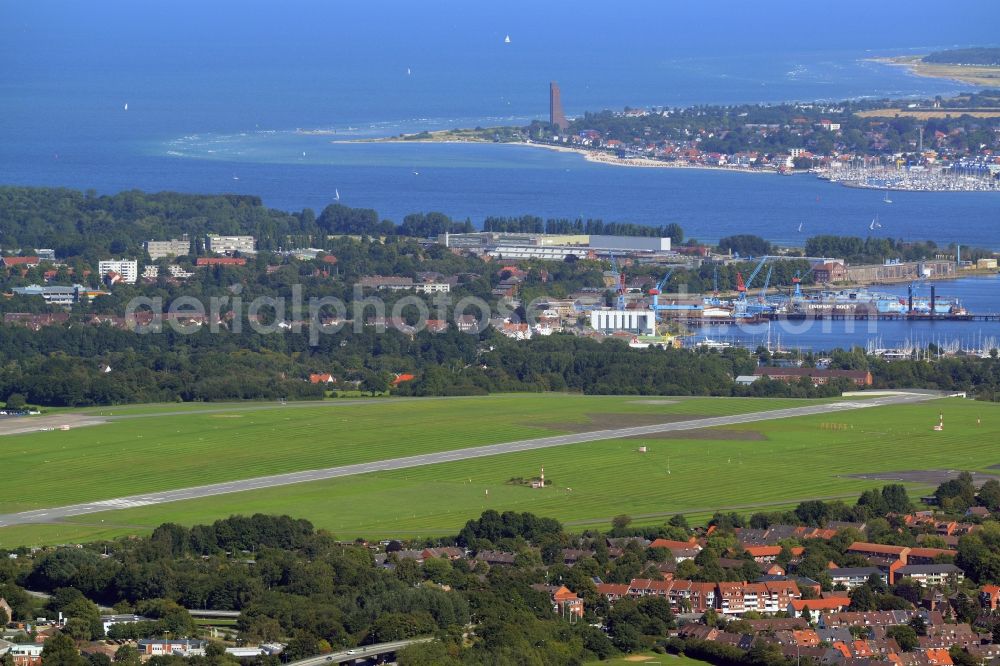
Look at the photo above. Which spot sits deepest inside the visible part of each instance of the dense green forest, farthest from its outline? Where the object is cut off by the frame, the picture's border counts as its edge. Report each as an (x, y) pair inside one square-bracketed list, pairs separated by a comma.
[(63, 366), (92, 226), (973, 56)]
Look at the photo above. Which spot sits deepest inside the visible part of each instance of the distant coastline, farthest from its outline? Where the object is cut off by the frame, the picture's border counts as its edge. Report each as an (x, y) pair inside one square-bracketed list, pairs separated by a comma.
[(977, 75), (624, 146), (596, 156)]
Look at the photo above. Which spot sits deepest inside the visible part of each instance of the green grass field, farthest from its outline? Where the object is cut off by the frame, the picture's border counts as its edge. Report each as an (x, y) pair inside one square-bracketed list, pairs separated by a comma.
[(777, 464), (163, 447)]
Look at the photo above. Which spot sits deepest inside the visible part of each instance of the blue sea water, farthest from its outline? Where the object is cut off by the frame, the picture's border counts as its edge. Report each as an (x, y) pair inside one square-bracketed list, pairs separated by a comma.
[(216, 91)]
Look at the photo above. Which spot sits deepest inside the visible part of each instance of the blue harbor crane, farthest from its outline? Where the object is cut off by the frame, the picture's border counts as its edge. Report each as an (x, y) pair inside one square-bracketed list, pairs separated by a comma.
[(619, 282), (714, 298), (682, 308), (762, 305), (797, 281), (658, 289), (740, 304), (767, 283)]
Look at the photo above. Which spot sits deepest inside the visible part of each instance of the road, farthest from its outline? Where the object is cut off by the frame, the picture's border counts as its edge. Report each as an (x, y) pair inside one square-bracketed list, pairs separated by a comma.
[(354, 654), (259, 483)]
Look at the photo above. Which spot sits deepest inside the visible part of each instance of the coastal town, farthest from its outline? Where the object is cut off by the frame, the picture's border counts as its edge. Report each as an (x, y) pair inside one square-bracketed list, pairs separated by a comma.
[(645, 290), (929, 145)]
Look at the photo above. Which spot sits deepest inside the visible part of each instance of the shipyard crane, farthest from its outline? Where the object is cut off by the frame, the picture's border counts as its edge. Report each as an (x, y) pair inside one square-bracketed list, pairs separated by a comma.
[(657, 290), (767, 281), (619, 282), (797, 281), (741, 287), (714, 299), (756, 271), (762, 305)]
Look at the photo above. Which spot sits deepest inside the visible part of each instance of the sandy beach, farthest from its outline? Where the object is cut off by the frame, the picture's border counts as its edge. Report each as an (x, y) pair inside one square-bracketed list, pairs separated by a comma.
[(603, 157), (596, 156), (974, 75)]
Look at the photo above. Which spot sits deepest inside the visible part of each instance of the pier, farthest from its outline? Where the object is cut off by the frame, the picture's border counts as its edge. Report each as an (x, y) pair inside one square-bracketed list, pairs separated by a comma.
[(880, 316), (836, 316)]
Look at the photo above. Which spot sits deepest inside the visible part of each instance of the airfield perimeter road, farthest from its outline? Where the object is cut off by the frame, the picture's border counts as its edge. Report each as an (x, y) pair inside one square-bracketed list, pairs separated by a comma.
[(58, 513)]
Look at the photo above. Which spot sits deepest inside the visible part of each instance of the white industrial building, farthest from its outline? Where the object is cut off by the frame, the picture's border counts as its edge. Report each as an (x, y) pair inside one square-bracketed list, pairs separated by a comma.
[(537, 252), (230, 244), (552, 246), (127, 268), (642, 322), (629, 243)]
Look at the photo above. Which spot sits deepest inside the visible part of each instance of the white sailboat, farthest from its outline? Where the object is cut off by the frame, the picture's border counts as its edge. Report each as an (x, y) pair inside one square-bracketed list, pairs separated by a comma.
[(126, 106), (875, 223), (886, 198), (800, 227), (336, 194), (506, 40)]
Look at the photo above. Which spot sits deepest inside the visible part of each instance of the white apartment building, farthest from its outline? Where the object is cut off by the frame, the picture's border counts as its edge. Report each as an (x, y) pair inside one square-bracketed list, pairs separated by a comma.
[(127, 268), (169, 248), (230, 244)]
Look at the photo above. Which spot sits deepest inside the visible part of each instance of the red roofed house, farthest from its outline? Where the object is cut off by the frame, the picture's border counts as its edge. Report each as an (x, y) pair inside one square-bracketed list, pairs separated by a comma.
[(927, 555), (806, 637), (647, 587), (989, 596), (816, 375), (841, 647), (564, 602), (681, 550), (939, 657), (831, 271), (879, 550), (322, 378), (613, 591), (24, 262), (832, 605), (763, 554)]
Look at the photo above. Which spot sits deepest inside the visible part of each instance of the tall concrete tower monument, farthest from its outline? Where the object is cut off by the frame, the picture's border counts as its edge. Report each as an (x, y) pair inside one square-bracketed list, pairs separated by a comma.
[(556, 115)]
